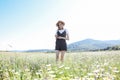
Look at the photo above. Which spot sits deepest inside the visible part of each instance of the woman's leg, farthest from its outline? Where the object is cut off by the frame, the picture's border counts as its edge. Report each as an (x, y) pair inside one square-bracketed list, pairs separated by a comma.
[(62, 55), (57, 55)]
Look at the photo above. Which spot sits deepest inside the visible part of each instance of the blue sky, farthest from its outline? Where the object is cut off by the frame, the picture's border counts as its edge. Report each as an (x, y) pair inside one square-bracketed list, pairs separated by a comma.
[(30, 24)]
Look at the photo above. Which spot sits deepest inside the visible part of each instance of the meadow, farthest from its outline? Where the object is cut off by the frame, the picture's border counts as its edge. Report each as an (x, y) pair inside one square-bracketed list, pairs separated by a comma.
[(101, 65)]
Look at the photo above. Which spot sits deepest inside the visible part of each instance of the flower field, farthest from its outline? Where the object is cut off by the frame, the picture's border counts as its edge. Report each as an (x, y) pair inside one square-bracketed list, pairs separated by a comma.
[(103, 65)]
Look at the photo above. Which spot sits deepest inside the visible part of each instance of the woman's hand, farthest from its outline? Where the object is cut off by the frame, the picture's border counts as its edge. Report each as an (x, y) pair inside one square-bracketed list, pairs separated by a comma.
[(66, 38), (61, 37)]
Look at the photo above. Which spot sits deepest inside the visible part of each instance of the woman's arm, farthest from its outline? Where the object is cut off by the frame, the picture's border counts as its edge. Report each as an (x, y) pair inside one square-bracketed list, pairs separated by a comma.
[(67, 35), (66, 38), (59, 37), (56, 36)]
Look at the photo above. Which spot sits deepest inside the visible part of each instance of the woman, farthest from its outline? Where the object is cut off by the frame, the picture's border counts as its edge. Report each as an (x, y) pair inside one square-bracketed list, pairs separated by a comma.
[(61, 37)]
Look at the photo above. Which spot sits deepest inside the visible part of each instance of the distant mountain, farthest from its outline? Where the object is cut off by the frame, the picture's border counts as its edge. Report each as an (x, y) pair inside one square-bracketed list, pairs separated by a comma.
[(117, 47), (91, 44)]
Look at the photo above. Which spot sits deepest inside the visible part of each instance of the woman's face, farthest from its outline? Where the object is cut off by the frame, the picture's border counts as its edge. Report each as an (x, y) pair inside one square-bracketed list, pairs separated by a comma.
[(60, 26)]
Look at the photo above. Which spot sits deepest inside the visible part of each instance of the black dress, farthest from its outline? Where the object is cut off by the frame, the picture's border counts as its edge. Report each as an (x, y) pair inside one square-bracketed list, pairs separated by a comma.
[(61, 43)]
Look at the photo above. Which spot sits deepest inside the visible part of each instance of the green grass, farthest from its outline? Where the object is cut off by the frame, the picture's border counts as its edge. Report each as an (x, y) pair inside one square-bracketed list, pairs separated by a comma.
[(76, 66)]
